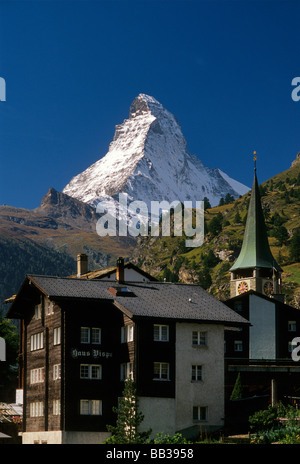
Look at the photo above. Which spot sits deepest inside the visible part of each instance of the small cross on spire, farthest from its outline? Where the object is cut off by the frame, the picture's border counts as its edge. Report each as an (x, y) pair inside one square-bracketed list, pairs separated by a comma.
[(255, 158)]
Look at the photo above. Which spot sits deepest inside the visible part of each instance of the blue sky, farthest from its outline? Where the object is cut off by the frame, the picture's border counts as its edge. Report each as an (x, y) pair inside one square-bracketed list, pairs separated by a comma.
[(72, 68)]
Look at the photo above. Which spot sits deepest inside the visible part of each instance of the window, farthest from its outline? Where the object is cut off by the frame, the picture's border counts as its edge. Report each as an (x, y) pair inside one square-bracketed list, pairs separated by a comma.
[(161, 333), (56, 335), (56, 407), (56, 371), (90, 371), (84, 335), (238, 345), (200, 413), (199, 338), (197, 373), (96, 335), (161, 371), (38, 311), (126, 370), (292, 326), (91, 407), (88, 335), (36, 409), (127, 333), (37, 375), (37, 341)]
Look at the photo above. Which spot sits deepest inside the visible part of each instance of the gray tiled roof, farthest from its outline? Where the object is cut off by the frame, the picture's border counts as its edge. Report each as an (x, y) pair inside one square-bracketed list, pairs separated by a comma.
[(180, 301), (153, 299), (67, 287)]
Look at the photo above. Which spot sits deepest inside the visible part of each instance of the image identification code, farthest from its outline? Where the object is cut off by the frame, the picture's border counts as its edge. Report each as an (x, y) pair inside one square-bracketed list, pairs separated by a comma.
[(171, 453), (153, 453)]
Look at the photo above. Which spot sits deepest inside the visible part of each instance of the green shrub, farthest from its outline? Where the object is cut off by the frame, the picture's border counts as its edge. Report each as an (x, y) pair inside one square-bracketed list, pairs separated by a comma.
[(291, 439), (165, 438), (282, 435), (263, 420)]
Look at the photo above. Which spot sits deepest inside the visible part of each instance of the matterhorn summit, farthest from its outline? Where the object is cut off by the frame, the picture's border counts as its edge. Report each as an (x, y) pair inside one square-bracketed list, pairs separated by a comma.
[(149, 161)]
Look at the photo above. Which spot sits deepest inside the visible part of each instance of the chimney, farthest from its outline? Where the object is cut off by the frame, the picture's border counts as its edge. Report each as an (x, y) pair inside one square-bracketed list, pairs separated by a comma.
[(120, 270), (82, 264)]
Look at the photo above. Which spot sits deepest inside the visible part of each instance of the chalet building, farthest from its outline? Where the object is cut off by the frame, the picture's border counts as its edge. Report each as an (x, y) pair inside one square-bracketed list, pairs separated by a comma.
[(261, 352), (81, 338)]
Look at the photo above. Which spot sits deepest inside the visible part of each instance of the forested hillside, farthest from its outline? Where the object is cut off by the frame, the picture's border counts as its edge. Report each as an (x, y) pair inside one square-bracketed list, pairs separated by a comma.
[(168, 258)]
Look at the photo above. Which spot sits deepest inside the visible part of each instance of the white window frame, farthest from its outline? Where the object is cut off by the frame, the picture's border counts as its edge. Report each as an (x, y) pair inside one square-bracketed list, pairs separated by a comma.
[(87, 371), (56, 371), (57, 336), (199, 338), (90, 407), (36, 409), (84, 335), (37, 341), (127, 333), (161, 333), (161, 371), (56, 407), (200, 413), (126, 371), (90, 335), (197, 373), (37, 375), (96, 336)]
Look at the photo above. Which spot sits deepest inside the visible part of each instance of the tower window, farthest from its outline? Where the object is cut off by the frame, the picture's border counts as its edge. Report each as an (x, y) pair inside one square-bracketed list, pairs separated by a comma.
[(292, 326), (238, 345)]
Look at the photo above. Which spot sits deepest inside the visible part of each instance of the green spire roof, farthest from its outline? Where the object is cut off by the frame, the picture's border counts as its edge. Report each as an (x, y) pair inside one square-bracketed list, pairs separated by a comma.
[(255, 252)]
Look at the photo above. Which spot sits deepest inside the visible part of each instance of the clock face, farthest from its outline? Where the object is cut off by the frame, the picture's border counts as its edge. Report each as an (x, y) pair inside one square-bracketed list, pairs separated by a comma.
[(243, 287), (268, 288)]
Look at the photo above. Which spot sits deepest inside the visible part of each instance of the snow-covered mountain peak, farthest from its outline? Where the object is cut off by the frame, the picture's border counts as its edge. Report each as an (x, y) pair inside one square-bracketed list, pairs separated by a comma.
[(148, 159), (143, 104)]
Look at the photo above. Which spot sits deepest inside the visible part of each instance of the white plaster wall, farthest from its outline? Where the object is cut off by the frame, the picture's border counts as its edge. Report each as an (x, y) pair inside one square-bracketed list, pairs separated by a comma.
[(58, 437), (159, 414), (208, 393), (262, 332)]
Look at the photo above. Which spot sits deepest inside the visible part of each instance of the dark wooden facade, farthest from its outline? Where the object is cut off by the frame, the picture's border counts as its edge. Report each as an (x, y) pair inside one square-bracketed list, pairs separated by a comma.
[(69, 354)]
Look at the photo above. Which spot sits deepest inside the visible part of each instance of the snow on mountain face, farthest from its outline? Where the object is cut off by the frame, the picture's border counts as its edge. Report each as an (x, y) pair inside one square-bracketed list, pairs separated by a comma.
[(148, 159)]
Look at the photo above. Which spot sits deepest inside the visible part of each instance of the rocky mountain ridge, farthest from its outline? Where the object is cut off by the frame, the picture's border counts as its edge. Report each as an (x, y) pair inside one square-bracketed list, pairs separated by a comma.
[(148, 159)]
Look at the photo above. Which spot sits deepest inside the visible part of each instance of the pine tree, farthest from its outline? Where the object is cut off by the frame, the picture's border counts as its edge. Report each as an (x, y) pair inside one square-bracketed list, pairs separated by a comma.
[(237, 391), (237, 218), (128, 419), (207, 204), (294, 248)]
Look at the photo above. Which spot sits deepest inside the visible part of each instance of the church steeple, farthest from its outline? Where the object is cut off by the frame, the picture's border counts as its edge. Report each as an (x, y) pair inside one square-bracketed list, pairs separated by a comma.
[(255, 267)]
